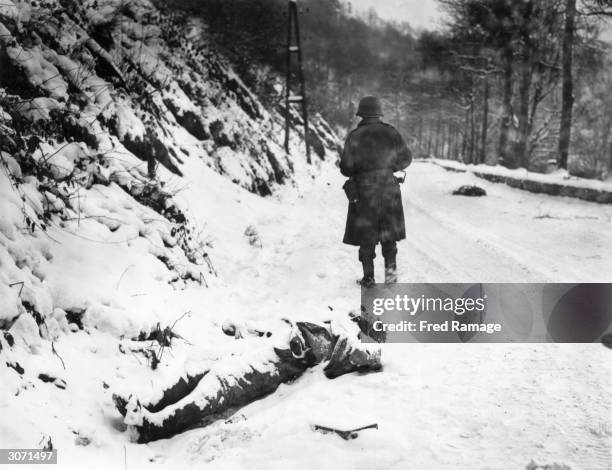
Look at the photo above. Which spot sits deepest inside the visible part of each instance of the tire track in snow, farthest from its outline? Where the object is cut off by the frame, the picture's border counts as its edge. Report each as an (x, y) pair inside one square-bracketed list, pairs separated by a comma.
[(518, 259), (507, 249), (583, 421), (460, 253)]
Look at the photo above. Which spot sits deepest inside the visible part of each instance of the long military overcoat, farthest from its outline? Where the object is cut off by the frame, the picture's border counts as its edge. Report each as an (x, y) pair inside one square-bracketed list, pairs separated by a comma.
[(372, 152)]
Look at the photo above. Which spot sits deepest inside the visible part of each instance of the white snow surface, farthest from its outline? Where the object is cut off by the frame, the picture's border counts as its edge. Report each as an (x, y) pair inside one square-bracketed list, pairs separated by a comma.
[(437, 406)]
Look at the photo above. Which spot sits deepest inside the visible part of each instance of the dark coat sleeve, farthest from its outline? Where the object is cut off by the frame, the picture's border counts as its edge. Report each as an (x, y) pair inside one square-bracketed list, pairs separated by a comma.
[(347, 161), (403, 158)]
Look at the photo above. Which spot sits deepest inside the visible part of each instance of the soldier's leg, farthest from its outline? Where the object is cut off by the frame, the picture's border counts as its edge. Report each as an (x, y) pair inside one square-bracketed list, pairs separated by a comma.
[(389, 250), (233, 381), (180, 389), (366, 256)]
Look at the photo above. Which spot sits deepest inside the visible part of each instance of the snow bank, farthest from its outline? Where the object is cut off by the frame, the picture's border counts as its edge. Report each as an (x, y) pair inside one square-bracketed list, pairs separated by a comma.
[(558, 183)]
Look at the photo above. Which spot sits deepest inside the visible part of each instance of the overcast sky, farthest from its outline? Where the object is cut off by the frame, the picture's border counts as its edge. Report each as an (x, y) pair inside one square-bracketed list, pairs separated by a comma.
[(419, 13)]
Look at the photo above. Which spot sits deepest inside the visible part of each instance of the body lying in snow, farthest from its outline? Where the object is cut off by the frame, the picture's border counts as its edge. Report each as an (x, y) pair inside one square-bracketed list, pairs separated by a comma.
[(236, 380)]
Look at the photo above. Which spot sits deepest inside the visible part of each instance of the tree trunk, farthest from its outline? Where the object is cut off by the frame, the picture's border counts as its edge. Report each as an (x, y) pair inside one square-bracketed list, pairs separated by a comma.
[(457, 141), (454, 141), (485, 121), (472, 131), (437, 143), (451, 139), (524, 92), (465, 140), (421, 136), (537, 92), (506, 106), (606, 146), (567, 94), (445, 140), (429, 132)]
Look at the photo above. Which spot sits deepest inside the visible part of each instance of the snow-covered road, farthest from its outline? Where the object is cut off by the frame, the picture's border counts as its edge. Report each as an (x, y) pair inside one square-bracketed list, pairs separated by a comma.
[(508, 236), (437, 406)]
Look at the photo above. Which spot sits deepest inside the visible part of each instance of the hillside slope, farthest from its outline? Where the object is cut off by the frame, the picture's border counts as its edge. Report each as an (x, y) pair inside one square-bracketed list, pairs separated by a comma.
[(102, 106), (132, 161), (121, 76)]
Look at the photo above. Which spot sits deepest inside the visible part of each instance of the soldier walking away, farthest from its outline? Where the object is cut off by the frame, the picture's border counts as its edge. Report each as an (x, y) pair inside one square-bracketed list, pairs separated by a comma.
[(373, 152)]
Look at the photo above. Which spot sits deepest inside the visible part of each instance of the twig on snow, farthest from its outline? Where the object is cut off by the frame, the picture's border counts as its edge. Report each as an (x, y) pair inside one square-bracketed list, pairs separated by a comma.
[(17, 284), (123, 274), (55, 352)]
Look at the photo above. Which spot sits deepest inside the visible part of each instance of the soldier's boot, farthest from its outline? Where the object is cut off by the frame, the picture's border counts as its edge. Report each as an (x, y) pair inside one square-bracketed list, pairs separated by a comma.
[(368, 273), (390, 269)]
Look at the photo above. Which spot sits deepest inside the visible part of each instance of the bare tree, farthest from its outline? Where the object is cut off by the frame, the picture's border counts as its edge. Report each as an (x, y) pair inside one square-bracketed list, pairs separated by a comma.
[(568, 83)]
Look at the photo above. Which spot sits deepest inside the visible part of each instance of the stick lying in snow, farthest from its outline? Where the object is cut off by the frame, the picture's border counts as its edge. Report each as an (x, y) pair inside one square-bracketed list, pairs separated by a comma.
[(239, 379), (346, 435), (55, 352)]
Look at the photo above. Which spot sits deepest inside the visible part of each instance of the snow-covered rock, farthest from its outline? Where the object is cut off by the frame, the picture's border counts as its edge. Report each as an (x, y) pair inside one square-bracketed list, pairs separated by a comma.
[(133, 78)]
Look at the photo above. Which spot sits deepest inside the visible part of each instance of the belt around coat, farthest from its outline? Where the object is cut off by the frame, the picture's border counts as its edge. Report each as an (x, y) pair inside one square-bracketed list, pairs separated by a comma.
[(384, 176)]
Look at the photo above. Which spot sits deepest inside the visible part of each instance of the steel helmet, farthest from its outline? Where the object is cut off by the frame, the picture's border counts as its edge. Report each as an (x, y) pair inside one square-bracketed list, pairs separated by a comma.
[(369, 106)]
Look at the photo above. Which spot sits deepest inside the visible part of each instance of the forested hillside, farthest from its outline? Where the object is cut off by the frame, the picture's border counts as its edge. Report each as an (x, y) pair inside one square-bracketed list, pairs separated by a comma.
[(114, 78), (530, 80), (345, 55), (522, 84)]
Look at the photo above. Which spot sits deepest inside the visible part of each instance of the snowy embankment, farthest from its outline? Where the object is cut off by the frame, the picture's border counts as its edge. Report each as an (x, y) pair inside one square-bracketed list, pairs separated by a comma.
[(110, 115), (558, 183), (96, 98)]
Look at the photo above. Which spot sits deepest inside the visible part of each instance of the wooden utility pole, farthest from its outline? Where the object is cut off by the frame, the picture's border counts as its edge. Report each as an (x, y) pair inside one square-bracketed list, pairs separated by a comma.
[(295, 48)]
